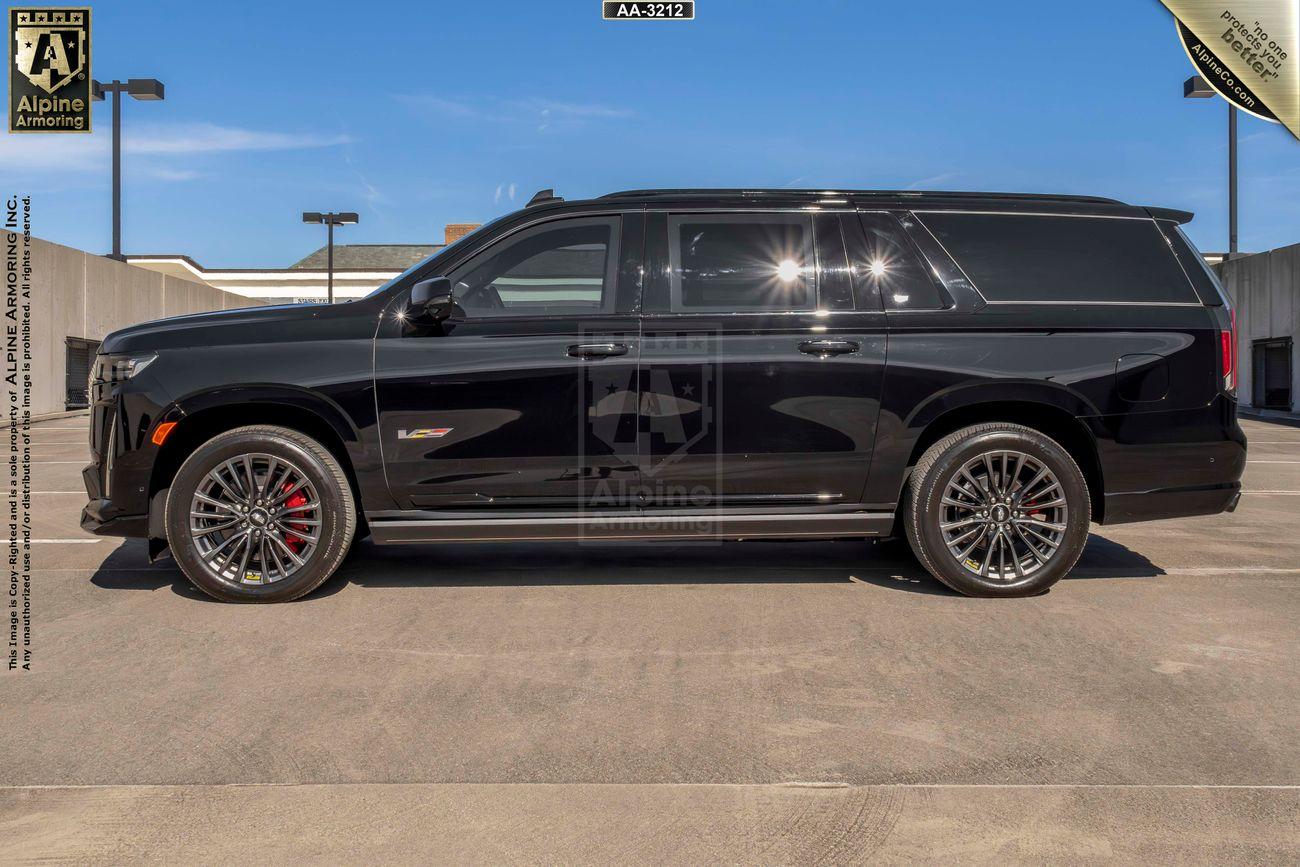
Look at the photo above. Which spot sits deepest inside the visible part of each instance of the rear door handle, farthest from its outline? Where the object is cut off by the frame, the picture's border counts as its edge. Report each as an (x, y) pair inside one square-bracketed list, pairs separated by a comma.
[(828, 347), (597, 350)]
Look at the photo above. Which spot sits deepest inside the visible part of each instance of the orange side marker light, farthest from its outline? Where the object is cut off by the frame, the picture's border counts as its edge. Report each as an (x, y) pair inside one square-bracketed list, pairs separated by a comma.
[(160, 433)]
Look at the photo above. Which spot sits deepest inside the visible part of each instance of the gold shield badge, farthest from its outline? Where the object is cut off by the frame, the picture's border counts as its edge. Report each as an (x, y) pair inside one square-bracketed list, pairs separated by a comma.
[(52, 52), (49, 75)]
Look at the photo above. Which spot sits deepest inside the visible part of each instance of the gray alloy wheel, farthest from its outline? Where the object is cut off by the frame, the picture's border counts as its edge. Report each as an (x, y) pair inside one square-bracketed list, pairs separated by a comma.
[(260, 514), (255, 519), (1004, 515), (997, 510)]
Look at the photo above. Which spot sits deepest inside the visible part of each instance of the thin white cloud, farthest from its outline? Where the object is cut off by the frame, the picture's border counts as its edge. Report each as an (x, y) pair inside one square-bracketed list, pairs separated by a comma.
[(496, 197), (490, 109), (513, 188), (932, 181), (209, 138), (77, 153), (163, 173)]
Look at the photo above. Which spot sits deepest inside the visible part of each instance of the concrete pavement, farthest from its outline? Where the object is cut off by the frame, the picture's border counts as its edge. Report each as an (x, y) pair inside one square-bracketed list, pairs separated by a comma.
[(773, 702)]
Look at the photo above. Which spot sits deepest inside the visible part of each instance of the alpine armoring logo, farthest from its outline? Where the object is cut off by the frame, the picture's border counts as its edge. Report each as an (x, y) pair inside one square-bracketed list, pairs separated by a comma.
[(49, 78)]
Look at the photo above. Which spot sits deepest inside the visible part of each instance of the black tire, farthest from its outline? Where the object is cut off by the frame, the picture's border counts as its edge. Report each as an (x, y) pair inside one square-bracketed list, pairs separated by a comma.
[(337, 512), (924, 509)]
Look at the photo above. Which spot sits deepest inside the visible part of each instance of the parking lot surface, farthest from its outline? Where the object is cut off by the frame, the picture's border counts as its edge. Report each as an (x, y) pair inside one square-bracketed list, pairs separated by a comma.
[(741, 702)]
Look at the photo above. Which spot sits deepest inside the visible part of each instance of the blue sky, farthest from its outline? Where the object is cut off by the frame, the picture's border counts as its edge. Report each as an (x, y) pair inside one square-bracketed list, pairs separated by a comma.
[(419, 114)]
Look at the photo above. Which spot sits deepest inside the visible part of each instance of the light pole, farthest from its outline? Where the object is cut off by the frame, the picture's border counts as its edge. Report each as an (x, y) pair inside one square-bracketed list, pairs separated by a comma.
[(1196, 88), (343, 218), (138, 88)]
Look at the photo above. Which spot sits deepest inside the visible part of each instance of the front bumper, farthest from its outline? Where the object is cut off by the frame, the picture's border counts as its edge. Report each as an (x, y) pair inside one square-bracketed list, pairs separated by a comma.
[(101, 517)]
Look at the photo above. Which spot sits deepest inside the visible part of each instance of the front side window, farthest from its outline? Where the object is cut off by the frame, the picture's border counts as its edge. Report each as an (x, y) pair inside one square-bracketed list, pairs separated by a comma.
[(741, 263), (560, 268)]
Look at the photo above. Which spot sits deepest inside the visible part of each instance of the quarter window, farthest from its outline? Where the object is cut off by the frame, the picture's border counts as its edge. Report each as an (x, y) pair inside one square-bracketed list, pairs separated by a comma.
[(741, 263), (892, 267), (560, 268), (1024, 257)]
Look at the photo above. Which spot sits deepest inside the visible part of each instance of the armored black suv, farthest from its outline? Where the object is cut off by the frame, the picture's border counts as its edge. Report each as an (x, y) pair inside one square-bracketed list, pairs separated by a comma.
[(985, 374)]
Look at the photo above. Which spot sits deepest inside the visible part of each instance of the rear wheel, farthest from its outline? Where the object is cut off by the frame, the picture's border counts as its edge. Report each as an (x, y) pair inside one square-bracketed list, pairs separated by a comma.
[(260, 514), (997, 510)]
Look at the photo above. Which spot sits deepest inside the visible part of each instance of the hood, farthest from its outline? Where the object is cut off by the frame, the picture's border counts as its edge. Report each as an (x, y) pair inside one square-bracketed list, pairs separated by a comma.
[(281, 323)]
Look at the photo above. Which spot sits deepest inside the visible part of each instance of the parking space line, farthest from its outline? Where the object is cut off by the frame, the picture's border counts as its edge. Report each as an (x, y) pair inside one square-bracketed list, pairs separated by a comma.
[(50, 542), (1273, 462)]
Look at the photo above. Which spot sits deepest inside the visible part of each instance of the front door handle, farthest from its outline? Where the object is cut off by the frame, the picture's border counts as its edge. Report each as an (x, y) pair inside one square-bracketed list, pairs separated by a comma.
[(597, 350), (828, 347)]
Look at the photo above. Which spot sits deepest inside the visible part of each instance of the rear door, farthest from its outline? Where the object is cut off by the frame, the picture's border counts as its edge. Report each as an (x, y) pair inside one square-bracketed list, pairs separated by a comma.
[(529, 400), (760, 377)]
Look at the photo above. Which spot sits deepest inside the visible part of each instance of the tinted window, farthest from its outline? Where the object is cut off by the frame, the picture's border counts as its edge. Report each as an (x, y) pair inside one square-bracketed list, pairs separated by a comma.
[(741, 262), (556, 268), (892, 268), (1014, 257)]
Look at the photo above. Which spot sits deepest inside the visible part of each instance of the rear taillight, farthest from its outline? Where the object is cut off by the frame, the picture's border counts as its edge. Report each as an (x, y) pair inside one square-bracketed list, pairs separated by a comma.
[(1228, 353)]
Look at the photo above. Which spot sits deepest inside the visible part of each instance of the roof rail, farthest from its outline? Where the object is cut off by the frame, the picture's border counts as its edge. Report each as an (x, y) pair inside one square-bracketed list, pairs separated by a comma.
[(542, 197), (882, 194)]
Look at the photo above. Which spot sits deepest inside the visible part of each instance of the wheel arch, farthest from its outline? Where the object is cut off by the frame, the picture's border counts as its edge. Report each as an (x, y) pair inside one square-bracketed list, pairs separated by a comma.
[(1048, 417), (202, 416)]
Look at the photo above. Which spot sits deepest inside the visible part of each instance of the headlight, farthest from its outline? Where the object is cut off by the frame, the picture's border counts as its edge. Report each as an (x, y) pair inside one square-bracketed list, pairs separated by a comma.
[(120, 368)]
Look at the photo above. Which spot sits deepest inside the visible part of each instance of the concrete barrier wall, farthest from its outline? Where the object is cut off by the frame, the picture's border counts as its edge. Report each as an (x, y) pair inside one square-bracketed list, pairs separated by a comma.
[(80, 294), (1265, 288)]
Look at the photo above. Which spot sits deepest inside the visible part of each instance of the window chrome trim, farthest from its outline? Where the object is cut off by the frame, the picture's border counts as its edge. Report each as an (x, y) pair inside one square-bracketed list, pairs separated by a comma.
[(1152, 220), (951, 258), (1102, 303)]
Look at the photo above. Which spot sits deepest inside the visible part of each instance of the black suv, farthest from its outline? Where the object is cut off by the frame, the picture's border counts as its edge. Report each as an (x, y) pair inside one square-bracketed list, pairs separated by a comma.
[(983, 373)]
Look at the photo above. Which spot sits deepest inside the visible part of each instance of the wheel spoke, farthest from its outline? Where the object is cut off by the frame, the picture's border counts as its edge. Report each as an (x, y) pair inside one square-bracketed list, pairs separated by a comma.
[(276, 540), (1037, 534), (1030, 545), (988, 555), (215, 528), (243, 561), (1034, 522)]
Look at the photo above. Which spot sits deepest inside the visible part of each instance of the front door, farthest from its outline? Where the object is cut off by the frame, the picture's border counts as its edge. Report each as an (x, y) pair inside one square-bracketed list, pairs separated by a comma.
[(760, 377), (529, 399)]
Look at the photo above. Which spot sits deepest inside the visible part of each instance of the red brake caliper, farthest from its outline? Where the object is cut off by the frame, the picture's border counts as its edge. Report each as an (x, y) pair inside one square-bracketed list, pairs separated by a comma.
[(298, 499)]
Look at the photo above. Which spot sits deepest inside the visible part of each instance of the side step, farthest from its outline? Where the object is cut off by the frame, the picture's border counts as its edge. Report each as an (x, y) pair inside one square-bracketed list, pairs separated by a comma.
[(386, 530)]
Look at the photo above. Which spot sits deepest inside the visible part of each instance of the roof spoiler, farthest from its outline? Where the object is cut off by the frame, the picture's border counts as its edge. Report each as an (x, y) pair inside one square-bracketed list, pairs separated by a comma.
[(1179, 217), (542, 197)]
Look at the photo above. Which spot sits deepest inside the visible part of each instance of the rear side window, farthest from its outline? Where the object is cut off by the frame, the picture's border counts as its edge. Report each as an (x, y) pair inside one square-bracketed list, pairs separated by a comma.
[(1020, 257), (741, 263)]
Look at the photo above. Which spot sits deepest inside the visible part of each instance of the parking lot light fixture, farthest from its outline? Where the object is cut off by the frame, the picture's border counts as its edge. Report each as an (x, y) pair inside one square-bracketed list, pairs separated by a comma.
[(1197, 88), (148, 89), (331, 219)]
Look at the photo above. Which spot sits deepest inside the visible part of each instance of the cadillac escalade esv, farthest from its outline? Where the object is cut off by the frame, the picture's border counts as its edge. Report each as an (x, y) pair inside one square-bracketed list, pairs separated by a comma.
[(985, 374)]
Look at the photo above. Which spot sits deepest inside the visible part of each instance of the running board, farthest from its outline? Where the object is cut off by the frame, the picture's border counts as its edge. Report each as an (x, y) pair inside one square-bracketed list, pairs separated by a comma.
[(645, 526)]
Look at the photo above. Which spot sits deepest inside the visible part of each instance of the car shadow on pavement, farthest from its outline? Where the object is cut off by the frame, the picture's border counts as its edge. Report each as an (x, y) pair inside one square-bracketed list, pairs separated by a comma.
[(885, 563)]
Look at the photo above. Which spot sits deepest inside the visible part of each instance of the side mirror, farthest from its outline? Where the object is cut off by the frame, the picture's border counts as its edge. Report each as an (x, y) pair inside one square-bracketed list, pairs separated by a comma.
[(432, 300)]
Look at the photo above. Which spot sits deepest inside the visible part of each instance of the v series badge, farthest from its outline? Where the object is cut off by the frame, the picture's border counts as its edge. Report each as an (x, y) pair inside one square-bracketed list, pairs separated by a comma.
[(424, 433)]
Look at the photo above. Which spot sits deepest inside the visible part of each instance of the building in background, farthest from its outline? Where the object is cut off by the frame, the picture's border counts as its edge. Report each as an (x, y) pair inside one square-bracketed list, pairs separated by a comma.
[(78, 298), (358, 270), (1265, 289)]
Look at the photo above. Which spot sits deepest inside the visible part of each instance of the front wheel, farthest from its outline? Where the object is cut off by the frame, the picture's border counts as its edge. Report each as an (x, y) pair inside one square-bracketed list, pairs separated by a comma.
[(260, 514), (997, 510)]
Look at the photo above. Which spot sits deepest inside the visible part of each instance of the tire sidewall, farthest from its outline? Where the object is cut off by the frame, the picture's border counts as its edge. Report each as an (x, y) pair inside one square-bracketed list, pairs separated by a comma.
[(220, 449), (947, 466)]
